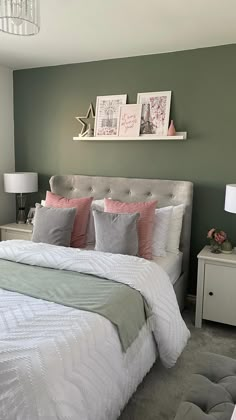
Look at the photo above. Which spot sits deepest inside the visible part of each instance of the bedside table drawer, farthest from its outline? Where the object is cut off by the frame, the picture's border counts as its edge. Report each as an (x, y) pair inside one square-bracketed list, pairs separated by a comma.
[(219, 300), (7, 235)]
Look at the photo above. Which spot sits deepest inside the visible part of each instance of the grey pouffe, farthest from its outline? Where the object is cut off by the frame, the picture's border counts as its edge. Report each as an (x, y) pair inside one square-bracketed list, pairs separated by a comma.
[(212, 393)]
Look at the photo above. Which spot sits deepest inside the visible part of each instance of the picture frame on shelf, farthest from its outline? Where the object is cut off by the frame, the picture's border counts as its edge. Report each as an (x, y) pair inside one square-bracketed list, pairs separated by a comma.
[(155, 113), (130, 120), (107, 114)]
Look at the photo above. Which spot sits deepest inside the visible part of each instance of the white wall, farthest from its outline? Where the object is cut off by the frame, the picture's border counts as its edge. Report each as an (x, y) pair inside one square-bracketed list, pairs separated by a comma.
[(7, 156)]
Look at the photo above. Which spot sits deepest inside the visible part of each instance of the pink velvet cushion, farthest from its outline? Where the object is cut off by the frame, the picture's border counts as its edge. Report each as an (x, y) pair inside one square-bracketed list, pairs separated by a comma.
[(78, 236), (145, 222)]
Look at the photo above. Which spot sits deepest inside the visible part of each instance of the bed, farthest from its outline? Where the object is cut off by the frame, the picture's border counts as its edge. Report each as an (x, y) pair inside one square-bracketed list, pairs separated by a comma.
[(167, 192), (58, 362)]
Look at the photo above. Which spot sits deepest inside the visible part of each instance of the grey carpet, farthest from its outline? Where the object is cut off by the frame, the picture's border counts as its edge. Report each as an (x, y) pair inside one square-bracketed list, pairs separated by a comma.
[(160, 393)]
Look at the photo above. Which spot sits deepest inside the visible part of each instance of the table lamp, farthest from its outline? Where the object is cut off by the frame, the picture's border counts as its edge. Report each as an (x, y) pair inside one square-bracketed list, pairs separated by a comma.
[(230, 198), (21, 183)]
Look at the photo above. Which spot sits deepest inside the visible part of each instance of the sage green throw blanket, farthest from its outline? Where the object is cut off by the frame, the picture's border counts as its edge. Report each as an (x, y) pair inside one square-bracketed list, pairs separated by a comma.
[(122, 305)]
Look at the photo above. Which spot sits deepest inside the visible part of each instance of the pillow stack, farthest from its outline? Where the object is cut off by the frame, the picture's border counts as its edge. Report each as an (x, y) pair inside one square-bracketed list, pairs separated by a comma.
[(145, 221), (136, 228), (82, 206), (47, 222), (159, 230)]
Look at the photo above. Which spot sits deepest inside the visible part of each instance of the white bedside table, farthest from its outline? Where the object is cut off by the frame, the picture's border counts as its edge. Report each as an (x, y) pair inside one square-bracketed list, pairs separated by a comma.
[(216, 287), (16, 231)]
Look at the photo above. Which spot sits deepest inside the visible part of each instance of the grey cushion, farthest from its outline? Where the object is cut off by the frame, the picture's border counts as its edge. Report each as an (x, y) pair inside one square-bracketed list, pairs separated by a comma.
[(53, 225), (116, 233), (212, 394)]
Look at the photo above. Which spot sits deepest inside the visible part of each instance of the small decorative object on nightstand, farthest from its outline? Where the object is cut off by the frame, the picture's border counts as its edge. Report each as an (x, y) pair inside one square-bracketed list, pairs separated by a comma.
[(227, 247), (16, 231), (21, 183), (217, 238), (216, 288)]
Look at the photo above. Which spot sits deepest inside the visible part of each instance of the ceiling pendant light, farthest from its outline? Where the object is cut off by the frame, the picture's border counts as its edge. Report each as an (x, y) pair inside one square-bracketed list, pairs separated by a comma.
[(19, 17)]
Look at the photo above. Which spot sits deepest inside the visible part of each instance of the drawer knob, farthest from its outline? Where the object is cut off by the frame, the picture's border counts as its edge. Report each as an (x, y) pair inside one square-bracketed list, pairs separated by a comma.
[(211, 293)]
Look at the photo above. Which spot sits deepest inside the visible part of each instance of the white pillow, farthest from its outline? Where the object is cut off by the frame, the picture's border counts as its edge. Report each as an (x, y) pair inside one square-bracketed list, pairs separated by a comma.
[(37, 204), (175, 229), (161, 231), (96, 205)]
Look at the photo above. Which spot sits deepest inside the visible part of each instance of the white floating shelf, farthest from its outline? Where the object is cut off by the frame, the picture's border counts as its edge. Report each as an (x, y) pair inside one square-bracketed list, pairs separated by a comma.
[(179, 136)]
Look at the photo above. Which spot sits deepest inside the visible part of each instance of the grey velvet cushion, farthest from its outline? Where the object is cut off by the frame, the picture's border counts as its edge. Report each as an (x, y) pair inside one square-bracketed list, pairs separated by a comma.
[(53, 225), (212, 394), (116, 233)]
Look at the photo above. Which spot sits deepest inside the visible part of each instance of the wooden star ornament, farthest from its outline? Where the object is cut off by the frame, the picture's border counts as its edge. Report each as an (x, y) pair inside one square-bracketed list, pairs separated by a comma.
[(86, 128)]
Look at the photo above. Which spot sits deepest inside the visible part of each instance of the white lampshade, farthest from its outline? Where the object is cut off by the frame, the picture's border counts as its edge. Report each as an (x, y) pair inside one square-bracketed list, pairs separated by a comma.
[(230, 198), (21, 182)]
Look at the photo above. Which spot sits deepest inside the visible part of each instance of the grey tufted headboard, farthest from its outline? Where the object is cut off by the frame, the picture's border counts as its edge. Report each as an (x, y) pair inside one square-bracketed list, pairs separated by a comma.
[(131, 189)]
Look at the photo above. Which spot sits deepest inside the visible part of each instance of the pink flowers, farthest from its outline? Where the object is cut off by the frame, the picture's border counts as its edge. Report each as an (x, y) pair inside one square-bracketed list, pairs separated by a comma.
[(216, 235), (210, 233), (220, 237)]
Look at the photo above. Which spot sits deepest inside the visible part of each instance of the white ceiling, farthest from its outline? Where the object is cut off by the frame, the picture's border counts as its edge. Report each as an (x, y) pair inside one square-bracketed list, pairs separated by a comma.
[(74, 31)]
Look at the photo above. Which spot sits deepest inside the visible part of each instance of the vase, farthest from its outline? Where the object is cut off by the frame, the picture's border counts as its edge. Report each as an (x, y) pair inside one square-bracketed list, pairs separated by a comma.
[(227, 247), (171, 130), (215, 248)]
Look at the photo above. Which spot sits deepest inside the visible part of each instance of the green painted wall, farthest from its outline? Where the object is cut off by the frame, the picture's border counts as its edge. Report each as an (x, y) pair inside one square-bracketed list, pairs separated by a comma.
[(203, 103)]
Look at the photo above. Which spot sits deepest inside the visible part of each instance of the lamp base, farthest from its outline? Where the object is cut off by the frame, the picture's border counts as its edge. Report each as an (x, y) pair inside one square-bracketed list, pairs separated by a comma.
[(21, 217)]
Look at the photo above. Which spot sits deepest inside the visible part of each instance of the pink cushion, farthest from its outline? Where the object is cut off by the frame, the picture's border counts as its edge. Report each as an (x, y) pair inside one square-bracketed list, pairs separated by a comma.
[(145, 222), (78, 237)]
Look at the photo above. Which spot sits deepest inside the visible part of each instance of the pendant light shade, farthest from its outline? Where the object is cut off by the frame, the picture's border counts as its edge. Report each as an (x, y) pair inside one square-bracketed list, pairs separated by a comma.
[(19, 17)]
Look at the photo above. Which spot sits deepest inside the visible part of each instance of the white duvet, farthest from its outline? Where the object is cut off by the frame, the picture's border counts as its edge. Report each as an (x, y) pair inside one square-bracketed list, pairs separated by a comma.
[(58, 362)]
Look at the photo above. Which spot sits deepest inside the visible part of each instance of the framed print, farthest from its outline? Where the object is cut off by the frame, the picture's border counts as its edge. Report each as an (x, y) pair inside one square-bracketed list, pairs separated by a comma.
[(107, 114), (155, 112), (129, 120)]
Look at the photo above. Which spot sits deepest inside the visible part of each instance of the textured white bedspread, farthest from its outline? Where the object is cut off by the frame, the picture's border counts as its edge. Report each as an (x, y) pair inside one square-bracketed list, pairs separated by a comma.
[(60, 363)]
